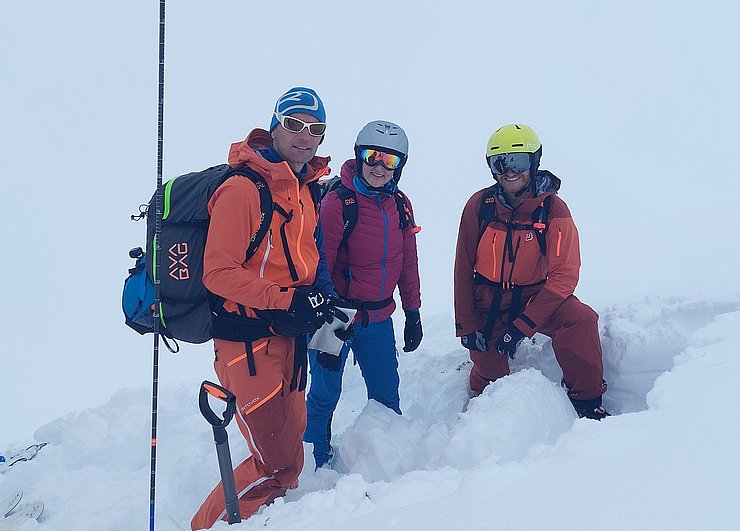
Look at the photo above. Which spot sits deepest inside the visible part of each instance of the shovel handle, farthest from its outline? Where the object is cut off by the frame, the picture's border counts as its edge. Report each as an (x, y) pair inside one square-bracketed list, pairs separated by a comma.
[(220, 393)]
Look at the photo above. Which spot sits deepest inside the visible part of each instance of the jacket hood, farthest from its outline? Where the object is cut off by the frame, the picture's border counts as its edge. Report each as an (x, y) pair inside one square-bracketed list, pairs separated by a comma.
[(246, 152), (545, 181)]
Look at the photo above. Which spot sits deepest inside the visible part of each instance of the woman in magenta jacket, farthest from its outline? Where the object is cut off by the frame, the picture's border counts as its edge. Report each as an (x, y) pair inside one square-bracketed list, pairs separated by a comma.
[(378, 255)]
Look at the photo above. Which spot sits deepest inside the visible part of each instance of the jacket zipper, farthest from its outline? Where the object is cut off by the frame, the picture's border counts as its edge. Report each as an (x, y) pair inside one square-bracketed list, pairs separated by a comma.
[(267, 253), (385, 251), (493, 250), (300, 229)]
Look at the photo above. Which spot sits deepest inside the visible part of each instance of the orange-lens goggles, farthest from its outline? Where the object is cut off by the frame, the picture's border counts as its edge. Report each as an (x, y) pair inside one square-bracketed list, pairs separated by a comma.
[(294, 125), (373, 157)]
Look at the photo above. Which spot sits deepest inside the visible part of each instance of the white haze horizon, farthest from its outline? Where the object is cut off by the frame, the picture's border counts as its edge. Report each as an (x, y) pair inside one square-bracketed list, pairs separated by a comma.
[(635, 104)]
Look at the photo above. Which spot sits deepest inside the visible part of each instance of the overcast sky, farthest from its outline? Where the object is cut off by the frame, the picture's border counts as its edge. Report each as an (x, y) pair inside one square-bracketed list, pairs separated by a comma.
[(635, 104)]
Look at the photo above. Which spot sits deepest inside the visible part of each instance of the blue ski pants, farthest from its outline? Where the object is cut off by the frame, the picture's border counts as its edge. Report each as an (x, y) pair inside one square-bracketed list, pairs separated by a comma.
[(374, 348)]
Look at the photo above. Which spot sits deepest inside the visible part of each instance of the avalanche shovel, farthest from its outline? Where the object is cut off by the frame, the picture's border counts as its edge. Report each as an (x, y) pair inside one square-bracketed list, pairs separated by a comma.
[(222, 442)]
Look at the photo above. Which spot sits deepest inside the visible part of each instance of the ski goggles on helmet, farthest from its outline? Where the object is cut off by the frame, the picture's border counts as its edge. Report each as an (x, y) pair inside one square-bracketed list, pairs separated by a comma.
[(516, 162), (373, 157), (294, 125)]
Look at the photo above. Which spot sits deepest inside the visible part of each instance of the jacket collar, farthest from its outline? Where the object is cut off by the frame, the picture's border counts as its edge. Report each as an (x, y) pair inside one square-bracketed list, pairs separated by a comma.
[(270, 164), (351, 180), (544, 183)]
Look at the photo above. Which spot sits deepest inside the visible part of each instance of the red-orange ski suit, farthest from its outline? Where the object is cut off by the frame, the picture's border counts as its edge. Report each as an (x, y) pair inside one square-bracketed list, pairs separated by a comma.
[(271, 418), (497, 260)]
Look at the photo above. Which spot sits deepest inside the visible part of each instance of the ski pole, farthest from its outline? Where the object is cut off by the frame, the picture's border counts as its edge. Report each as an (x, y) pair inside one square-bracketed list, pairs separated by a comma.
[(222, 442), (157, 291)]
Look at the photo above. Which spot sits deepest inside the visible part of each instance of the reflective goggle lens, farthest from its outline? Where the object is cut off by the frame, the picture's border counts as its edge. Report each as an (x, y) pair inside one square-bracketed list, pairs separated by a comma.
[(294, 125), (516, 162), (373, 157)]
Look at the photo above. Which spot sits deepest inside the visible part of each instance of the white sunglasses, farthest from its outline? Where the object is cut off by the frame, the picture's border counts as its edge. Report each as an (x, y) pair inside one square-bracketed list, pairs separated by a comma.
[(294, 125)]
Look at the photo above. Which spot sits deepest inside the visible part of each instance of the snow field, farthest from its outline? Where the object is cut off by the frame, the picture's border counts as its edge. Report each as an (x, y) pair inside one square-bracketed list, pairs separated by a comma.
[(516, 455)]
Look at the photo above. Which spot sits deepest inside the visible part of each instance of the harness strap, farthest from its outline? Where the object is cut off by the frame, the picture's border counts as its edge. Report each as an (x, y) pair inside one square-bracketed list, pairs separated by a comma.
[(499, 287), (367, 306), (493, 312), (300, 364), (248, 346), (506, 286)]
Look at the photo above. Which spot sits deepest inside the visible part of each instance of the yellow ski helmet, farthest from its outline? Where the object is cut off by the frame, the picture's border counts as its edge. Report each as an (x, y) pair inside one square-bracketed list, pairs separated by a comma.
[(515, 138)]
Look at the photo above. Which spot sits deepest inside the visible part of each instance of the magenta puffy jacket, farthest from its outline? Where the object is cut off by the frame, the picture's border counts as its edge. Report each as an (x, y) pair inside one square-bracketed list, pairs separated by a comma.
[(378, 257)]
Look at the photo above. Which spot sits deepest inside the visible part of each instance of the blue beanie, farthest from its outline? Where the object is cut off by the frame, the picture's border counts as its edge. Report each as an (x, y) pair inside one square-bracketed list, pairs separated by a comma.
[(299, 100)]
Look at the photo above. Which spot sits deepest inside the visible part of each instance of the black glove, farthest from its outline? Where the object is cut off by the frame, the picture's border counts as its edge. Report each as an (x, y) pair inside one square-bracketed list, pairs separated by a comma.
[(310, 306), (412, 332), (475, 341), (508, 341), (283, 323), (289, 326), (335, 305), (329, 361), (345, 334)]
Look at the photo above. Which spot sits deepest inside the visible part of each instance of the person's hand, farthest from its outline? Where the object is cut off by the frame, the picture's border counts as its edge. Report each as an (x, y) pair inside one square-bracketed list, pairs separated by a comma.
[(284, 324), (508, 341), (412, 332), (334, 307), (310, 306), (329, 361), (345, 333), (475, 341)]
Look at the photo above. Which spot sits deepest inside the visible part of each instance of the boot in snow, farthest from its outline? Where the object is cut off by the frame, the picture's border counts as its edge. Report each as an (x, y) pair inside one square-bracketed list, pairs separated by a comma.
[(323, 454), (590, 409)]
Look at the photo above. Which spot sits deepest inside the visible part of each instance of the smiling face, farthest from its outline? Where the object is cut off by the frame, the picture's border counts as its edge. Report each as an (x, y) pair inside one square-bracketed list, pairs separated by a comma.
[(376, 176), (513, 183), (296, 148)]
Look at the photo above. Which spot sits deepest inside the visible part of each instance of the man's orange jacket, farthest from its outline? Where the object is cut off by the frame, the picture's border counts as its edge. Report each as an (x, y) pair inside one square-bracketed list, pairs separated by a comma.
[(286, 257)]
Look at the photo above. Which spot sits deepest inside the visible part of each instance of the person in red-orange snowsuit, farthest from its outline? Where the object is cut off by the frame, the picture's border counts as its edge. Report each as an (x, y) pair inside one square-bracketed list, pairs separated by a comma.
[(516, 268)]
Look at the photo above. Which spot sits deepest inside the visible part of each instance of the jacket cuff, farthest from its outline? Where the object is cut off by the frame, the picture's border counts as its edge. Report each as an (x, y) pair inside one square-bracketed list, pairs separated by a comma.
[(525, 325), (280, 298), (463, 329)]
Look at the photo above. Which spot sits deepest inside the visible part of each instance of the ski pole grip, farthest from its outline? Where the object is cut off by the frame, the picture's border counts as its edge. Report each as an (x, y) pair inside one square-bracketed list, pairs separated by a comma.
[(220, 393)]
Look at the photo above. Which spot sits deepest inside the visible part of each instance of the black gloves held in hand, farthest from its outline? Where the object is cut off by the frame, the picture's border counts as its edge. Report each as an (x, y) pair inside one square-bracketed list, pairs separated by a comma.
[(412, 332), (475, 341), (309, 310), (508, 341)]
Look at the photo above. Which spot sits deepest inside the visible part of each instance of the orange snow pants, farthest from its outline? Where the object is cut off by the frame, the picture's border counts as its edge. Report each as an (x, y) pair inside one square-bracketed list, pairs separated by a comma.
[(272, 420), (574, 331)]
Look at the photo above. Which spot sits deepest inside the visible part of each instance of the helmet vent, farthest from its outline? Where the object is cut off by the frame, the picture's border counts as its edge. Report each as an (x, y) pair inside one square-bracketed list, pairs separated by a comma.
[(386, 129), (517, 145)]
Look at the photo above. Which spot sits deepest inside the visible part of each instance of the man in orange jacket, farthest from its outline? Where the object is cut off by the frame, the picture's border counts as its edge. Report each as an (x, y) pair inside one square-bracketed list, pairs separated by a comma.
[(268, 375), (516, 268)]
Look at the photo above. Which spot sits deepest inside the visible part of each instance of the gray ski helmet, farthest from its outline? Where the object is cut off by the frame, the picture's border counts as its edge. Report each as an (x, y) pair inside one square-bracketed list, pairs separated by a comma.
[(384, 136)]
